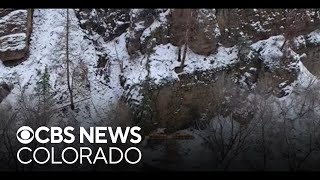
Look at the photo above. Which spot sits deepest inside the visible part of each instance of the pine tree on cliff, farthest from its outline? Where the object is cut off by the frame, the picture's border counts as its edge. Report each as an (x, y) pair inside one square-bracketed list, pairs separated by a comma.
[(42, 90), (44, 97)]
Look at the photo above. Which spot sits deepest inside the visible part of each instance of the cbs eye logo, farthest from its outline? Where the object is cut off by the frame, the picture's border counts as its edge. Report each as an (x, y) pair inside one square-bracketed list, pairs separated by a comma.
[(25, 134)]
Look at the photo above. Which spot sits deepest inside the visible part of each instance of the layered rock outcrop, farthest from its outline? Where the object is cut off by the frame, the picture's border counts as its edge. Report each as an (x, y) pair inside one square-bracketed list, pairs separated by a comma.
[(15, 30)]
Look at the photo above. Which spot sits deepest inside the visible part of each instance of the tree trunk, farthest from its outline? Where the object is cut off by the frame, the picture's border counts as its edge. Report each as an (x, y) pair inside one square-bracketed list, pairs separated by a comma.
[(186, 40), (184, 55), (284, 43), (68, 60), (179, 54)]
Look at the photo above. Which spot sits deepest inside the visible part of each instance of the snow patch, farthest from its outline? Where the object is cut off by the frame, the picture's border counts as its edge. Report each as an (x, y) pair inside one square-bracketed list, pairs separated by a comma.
[(314, 37), (147, 32), (270, 50)]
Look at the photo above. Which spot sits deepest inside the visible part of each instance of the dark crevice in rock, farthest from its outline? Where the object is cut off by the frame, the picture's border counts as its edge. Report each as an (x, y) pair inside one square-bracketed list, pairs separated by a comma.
[(5, 89)]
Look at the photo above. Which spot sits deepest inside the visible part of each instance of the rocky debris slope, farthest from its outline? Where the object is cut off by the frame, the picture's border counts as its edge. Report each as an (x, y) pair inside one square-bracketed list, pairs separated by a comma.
[(15, 29)]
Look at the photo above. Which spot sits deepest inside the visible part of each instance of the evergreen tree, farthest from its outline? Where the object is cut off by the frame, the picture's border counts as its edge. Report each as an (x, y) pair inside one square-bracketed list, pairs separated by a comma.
[(43, 86), (44, 97)]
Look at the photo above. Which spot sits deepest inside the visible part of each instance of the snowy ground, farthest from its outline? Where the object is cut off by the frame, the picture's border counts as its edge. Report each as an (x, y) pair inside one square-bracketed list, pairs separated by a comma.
[(47, 49)]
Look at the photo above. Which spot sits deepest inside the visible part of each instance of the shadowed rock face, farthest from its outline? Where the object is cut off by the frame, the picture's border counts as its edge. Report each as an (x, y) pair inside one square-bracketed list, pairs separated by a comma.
[(311, 60), (5, 89), (15, 29), (109, 23), (199, 27), (259, 24), (202, 28)]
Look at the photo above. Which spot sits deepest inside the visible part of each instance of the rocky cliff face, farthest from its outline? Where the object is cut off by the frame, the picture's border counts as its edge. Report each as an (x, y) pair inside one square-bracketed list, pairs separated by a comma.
[(236, 74), (108, 23), (204, 30), (253, 48), (15, 29), (261, 60)]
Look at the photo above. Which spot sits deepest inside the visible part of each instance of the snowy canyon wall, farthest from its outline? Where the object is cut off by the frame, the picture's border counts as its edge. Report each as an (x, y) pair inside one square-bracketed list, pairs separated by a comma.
[(165, 56), (253, 47), (177, 73)]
